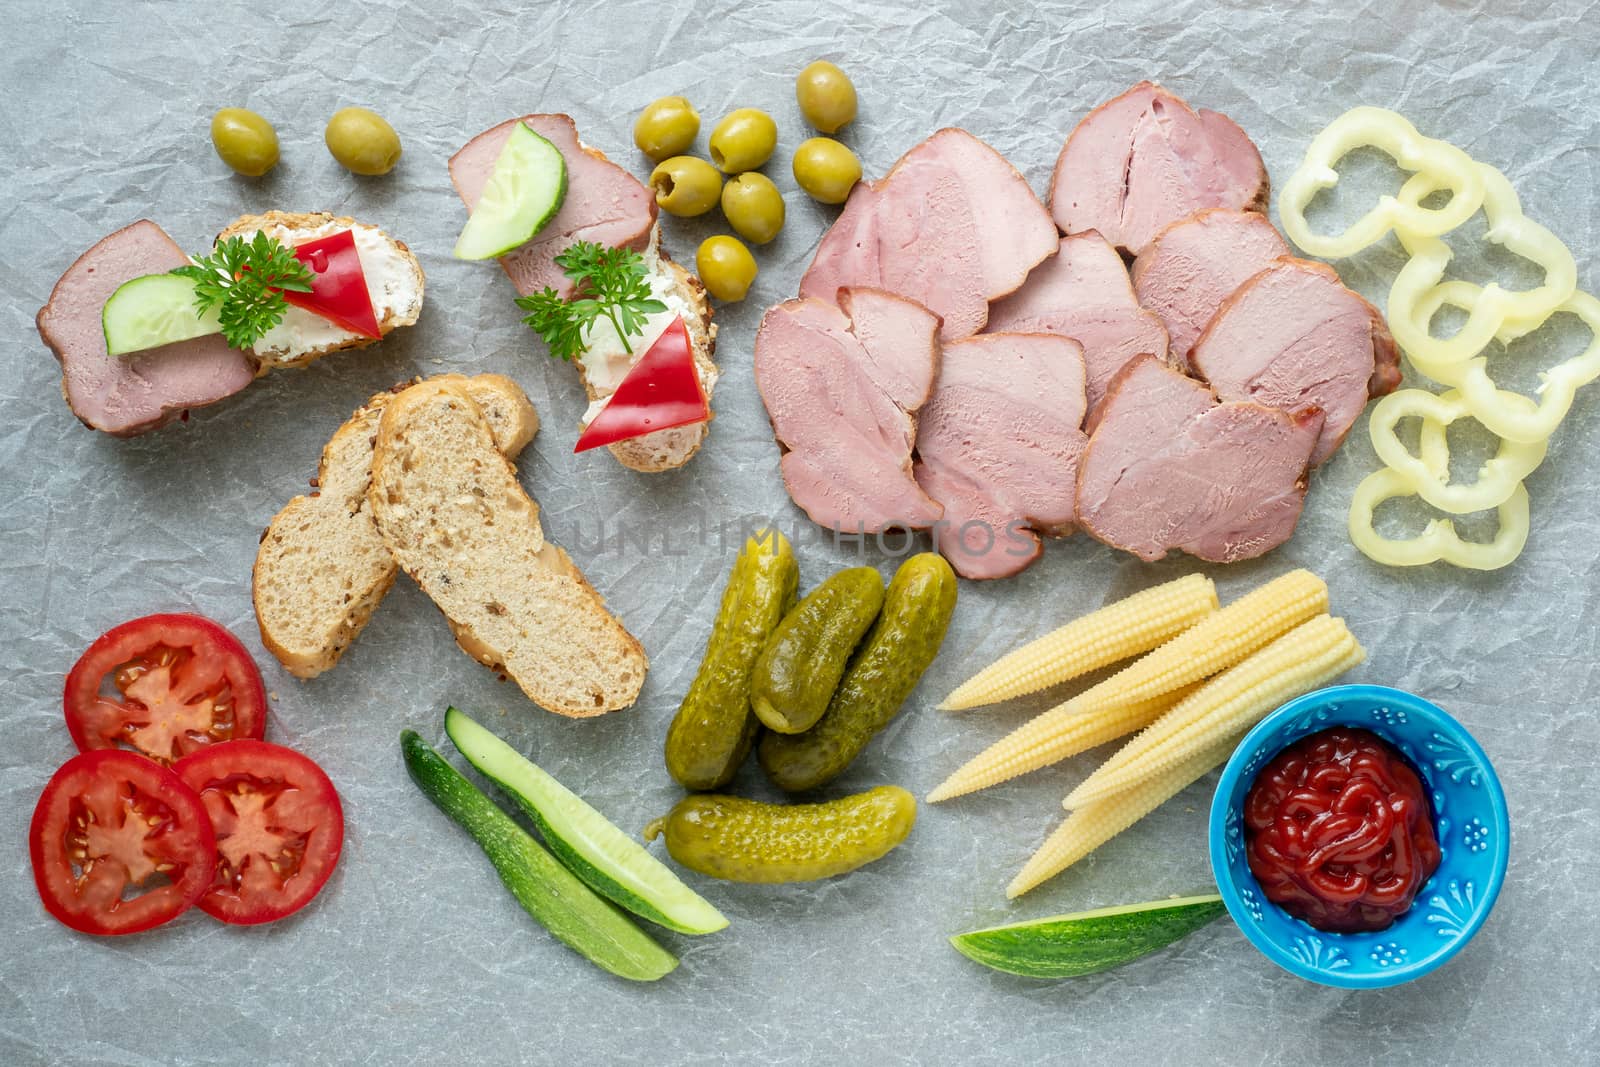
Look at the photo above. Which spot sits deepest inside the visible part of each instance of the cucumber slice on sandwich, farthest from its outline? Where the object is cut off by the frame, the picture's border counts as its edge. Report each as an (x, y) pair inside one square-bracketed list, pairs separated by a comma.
[(154, 310), (524, 191), (606, 859)]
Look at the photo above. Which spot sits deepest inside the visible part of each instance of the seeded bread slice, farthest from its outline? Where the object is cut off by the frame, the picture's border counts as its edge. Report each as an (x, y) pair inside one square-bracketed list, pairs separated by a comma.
[(322, 567), (394, 281), (450, 508), (668, 449)]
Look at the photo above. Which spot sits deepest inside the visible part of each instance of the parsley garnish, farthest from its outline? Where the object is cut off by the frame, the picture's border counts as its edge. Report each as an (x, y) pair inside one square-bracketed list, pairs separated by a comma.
[(608, 282), (245, 281)]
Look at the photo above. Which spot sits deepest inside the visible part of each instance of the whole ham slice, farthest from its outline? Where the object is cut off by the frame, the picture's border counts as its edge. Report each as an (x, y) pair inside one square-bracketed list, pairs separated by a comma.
[(1082, 292), (998, 447), (604, 203), (1146, 159), (1168, 466), (1195, 264), (127, 395), (842, 385), (1293, 337), (951, 226)]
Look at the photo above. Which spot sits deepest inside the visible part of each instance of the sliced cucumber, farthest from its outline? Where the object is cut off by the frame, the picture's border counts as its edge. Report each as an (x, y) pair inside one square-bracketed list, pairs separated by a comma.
[(523, 193), (1087, 942), (584, 921), (612, 863), (154, 310)]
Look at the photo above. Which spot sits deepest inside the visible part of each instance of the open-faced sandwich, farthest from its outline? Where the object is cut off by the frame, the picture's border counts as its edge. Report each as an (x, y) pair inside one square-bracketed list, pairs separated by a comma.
[(144, 333), (577, 236)]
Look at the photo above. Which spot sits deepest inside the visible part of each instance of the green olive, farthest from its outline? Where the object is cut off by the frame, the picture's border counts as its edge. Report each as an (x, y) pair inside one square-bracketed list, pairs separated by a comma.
[(753, 206), (666, 128), (726, 267), (686, 186), (826, 169), (743, 140), (826, 96), (362, 141), (245, 141)]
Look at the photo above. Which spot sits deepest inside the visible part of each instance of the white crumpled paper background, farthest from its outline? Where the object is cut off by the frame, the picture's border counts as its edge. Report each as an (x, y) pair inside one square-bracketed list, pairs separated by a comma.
[(414, 953)]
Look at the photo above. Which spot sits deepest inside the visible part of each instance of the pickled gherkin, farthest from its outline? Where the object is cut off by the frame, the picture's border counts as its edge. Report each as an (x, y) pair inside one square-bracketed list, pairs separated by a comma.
[(801, 666), (743, 840), (714, 729), (883, 672)]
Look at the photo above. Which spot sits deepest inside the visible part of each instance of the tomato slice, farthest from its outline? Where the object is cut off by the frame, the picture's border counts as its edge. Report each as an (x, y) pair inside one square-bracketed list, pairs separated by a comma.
[(279, 826), (339, 290), (119, 844), (181, 682)]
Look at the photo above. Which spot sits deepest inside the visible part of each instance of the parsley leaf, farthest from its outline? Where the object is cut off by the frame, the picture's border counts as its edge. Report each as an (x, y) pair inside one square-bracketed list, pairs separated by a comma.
[(245, 281), (609, 283)]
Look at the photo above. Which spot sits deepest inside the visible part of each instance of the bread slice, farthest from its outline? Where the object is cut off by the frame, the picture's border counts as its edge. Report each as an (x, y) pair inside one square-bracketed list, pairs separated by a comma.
[(394, 280), (322, 566), (665, 449), (453, 514)]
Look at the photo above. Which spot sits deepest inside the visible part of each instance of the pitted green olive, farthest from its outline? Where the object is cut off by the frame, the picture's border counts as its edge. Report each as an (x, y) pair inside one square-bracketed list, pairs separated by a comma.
[(743, 140), (245, 141), (362, 141), (826, 96), (686, 186), (666, 128), (753, 206), (826, 169), (726, 267)]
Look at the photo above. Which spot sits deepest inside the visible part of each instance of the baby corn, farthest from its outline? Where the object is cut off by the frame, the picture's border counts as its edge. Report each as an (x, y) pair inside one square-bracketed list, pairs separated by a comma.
[(1113, 633), (1309, 656), (1091, 826), (1048, 738)]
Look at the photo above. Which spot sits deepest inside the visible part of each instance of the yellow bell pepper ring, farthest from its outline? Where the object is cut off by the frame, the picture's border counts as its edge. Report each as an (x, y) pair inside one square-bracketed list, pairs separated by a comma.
[(1509, 414), (1438, 542), (1447, 167), (1495, 312), (1429, 474)]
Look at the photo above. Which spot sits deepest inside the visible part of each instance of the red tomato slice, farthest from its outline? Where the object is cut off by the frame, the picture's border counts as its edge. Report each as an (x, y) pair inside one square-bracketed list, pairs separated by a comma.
[(119, 844), (279, 828), (338, 284), (181, 682), (661, 391)]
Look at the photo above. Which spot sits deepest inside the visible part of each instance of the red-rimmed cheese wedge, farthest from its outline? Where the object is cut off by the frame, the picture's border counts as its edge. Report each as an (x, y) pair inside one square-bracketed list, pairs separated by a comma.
[(661, 392)]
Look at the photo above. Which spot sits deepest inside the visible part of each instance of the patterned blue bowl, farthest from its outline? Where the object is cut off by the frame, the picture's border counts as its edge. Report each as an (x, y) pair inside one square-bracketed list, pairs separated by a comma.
[(1470, 818)]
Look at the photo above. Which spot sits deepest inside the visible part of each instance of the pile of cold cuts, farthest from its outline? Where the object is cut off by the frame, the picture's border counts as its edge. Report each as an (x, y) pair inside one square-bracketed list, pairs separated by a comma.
[(954, 363)]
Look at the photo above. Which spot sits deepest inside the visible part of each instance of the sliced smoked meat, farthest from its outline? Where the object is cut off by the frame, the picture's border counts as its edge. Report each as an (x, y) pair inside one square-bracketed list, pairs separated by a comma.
[(604, 203), (1146, 159), (127, 395), (1293, 337), (998, 447), (951, 226), (842, 385), (1082, 292), (1168, 466), (1195, 264)]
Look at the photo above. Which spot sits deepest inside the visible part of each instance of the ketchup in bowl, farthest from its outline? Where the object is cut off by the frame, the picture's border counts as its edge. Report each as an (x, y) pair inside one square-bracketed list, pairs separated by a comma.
[(1339, 831)]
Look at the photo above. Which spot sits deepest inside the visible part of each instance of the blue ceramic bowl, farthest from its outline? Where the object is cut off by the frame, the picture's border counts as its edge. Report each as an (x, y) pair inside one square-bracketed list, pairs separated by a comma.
[(1469, 815)]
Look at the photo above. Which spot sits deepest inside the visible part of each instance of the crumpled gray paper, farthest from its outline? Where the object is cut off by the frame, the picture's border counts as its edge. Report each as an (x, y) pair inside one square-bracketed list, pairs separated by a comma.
[(413, 953)]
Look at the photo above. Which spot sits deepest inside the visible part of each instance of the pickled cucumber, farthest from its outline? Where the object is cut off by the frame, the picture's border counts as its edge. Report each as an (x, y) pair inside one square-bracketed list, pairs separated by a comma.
[(882, 673), (800, 668), (713, 730), (748, 841)]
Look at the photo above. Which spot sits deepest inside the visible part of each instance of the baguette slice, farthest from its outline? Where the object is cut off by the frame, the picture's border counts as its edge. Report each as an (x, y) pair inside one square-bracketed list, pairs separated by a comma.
[(323, 567), (682, 292), (453, 514), (394, 281)]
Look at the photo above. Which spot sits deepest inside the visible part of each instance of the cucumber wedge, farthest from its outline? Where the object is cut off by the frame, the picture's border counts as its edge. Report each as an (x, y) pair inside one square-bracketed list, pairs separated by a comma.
[(585, 922), (523, 193), (151, 311), (608, 860), (1087, 942)]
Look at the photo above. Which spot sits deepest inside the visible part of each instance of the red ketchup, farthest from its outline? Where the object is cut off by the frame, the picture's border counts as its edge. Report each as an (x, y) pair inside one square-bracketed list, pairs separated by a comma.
[(1339, 831)]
